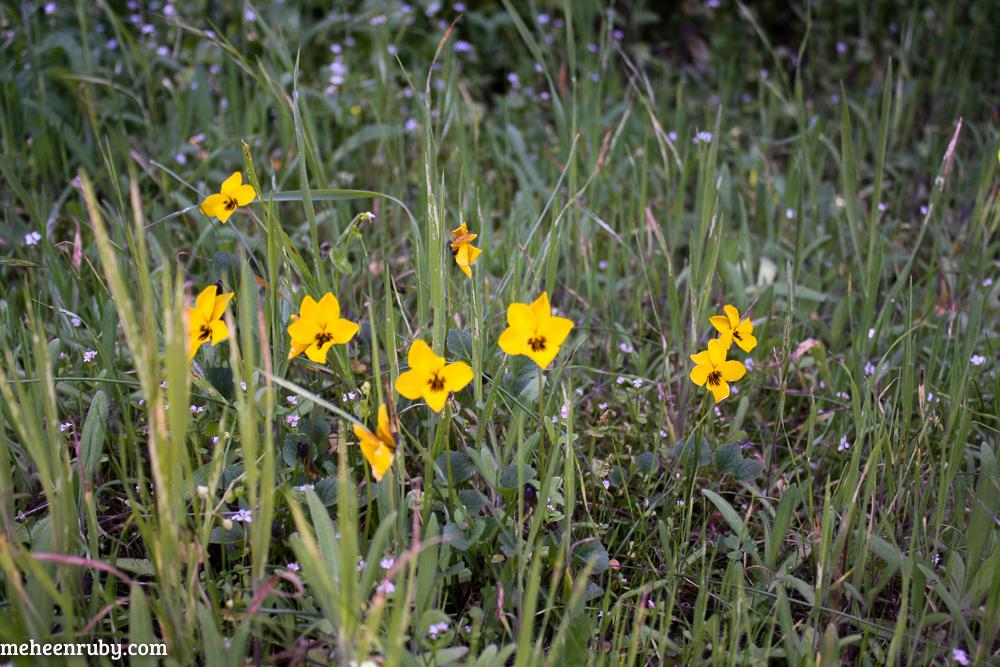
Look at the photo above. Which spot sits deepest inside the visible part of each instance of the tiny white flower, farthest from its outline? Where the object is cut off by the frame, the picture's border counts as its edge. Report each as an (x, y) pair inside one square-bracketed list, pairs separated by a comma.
[(923, 210), (387, 563), (637, 383), (164, 385), (349, 396), (564, 412), (882, 206), (294, 400), (977, 360), (626, 348), (32, 238), (65, 427), (620, 380), (680, 503), (789, 214), (844, 445), (294, 567), (663, 434), (749, 363), (607, 483), (869, 368), (602, 265), (936, 558), (386, 587), (579, 391), (959, 656), (293, 420), (672, 136), (89, 355), (195, 409), (987, 282), (361, 565), (651, 603), (243, 515), (75, 321), (602, 406), (841, 47), (243, 386)]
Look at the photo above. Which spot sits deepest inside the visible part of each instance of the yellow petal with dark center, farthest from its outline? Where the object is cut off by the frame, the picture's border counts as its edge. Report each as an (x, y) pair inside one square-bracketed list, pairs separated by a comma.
[(555, 330), (747, 342), (304, 330), (317, 353), (220, 331), (232, 183), (342, 331), (543, 357), (310, 310), (411, 383), (541, 308), (513, 341), (436, 398), (720, 390), (699, 374), (224, 213), (456, 376), (423, 358), (213, 202), (522, 318), (243, 194)]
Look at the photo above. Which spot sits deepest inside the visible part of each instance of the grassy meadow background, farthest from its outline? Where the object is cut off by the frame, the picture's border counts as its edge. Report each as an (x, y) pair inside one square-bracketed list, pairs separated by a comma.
[(831, 164)]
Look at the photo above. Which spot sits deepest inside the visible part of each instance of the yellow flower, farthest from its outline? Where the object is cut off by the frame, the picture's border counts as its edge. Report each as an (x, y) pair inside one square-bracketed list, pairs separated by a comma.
[(205, 319), (318, 328), (233, 194), (379, 448), (713, 369), (430, 378), (730, 328), (534, 332), (461, 248)]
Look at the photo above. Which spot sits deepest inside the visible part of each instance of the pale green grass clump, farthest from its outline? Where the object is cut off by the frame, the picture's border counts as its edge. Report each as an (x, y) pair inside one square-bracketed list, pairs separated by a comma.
[(830, 169)]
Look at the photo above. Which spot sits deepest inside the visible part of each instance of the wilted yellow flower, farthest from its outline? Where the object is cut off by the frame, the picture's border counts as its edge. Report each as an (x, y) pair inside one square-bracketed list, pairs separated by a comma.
[(461, 248), (534, 331), (714, 370), (730, 328), (379, 448), (205, 319), (318, 328), (233, 194), (430, 378)]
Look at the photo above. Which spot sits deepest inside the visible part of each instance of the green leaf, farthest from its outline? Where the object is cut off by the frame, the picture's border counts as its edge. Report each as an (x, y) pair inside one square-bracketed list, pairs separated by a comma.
[(141, 567), (593, 552), (23, 263), (731, 516), (462, 467), (460, 344), (228, 268), (509, 478), (92, 438), (686, 450), (728, 460), (222, 379), (647, 463)]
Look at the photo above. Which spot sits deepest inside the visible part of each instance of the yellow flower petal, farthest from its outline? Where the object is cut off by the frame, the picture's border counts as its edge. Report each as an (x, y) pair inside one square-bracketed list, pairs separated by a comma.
[(220, 331), (411, 383), (223, 213), (747, 342), (543, 357), (733, 315), (720, 390), (297, 348), (699, 374), (721, 323), (462, 259), (522, 318), (304, 330), (513, 341), (329, 307), (318, 353), (717, 352), (219, 307), (375, 451), (456, 376), (702, 358), (555, 330), (542, 309), (205, 303), (342, 331), (461, 231), (213, 202), (435, 398), (243, 194), (473, 254), (732, 370), (195, 344), (385, 430), (310, 310), (423, 358), (232, 184)]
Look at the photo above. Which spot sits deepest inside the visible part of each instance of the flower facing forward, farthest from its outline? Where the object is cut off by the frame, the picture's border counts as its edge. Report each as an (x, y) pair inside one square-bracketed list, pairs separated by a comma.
[(318, 328), (714, 370), (233, 194), (205, 319), (430, 378), (730, 328), (534, 331), (379, 448), (461, 248)]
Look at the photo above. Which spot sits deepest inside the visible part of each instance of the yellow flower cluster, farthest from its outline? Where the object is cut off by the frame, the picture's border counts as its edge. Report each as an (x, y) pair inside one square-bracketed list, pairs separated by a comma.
[(533, 331), (712, 368)]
